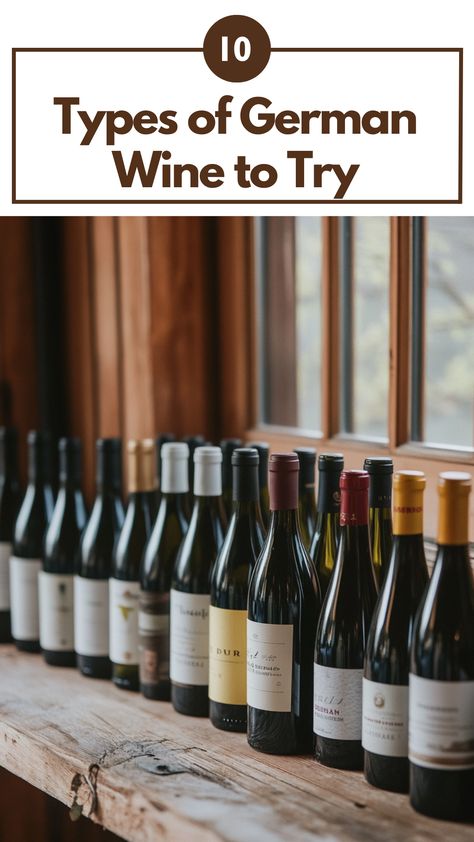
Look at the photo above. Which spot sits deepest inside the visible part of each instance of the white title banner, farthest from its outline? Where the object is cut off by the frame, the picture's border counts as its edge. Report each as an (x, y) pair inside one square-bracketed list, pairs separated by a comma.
[(314, 126)]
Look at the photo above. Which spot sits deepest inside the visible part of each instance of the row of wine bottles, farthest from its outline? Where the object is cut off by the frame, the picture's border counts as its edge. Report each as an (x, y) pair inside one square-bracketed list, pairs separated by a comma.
[(230, 619)]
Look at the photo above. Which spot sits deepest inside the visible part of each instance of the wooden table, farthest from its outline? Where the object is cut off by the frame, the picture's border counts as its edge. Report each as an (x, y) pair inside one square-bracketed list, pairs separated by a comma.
[(147, 774)]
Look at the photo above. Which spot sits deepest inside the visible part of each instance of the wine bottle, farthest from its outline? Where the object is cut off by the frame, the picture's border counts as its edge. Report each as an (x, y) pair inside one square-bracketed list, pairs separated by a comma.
[(91, 583), (124, 585), (380, 470), (9, 505), (441, 702), (228, 446), (156, 572), (193, 442), (61, 549), (387, 661), (190, 592), (283, 608), (307, 493), (30, 528), (342, 634), (263, 451), (325, 541), (229, 593)]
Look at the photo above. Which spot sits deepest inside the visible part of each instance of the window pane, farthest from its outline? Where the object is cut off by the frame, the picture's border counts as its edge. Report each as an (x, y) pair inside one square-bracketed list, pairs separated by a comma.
[(449, 331), (365, 285), (290, 324)]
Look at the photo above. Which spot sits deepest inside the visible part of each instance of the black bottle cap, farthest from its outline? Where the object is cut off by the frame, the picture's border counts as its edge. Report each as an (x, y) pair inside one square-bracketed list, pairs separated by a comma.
[(70, 460), (376, 465), (331, 462), (109, 463), (245, 485), (307, 457), (228, 446), (380, 470), (8, 451), (39, 456), (263, 449)]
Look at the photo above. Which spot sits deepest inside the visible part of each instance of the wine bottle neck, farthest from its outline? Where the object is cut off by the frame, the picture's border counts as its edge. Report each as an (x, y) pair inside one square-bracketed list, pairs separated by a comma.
[(246, 508), (285, 520)]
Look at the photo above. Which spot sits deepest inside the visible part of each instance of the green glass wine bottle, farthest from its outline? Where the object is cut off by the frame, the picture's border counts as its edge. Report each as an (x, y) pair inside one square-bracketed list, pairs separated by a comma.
[(124, 585)]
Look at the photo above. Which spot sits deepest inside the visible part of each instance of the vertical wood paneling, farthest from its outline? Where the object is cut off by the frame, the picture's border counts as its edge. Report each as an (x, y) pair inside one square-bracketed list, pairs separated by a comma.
[(107, 320), (330, 326), (18, 360), (280, 320), (184, 329), (135, 327), (236, 354), (80, 350)]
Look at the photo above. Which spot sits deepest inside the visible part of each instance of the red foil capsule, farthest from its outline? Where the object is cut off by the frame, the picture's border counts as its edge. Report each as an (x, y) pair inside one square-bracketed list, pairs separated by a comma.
[(354, 487), (283, 474)]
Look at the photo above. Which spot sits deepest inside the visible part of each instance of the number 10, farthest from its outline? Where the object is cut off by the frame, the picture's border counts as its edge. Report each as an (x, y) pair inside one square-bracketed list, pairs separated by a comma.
[(242, 48)]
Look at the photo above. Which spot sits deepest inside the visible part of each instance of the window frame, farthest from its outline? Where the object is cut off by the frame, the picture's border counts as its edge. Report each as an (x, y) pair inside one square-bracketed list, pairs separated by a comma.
[(406, 453)]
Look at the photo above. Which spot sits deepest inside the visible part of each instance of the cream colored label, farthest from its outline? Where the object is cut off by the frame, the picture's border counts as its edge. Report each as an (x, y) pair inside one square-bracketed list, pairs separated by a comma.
[(123, 621), (385, 718), (269, 666), (337, 703), (189, 638), (228, 656), (24, 574), (441, 723), (56, 603)]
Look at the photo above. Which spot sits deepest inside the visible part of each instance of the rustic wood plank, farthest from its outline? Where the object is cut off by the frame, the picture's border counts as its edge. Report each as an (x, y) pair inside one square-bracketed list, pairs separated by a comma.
[(146, 773)]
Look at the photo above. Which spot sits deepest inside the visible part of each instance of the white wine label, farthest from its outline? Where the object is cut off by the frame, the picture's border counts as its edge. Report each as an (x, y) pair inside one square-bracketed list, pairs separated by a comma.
[(337, 703), (91, 616), (385, 718), (441, 723), (5, 553), (269, 666), (123, 621), (24, 597), (189, 638), (56, 603), (154, 637)]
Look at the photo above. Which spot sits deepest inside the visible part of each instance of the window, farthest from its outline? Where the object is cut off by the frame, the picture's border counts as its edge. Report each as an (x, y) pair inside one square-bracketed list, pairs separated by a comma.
[(367, 339)]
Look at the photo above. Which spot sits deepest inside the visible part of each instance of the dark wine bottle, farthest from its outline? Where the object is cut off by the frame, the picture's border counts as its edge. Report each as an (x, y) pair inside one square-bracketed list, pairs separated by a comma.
[(380, 470), (9, 505), (387, 660), (307, 493), (61, 549), (342, 634), (91, 584), (228, 446), (28, 543), (124, 585), (156, 572), (263, 449), (283, 609), (325, 541), (229, 593), (193, 442), (190, 593), (441, 716)]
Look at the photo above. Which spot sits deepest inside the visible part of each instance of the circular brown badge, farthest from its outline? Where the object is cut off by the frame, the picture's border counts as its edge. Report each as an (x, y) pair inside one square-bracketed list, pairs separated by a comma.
[(237, 48)]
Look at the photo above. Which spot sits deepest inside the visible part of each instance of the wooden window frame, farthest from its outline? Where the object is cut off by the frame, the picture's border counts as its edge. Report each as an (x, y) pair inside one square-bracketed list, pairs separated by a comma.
[(405, 453)]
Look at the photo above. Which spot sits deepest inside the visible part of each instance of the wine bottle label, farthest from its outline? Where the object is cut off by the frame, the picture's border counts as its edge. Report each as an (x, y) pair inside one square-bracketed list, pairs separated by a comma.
[(91, 616), (441, 723), (228, 656), (337, 703), (385, 718), (24, 574), (154, 637), (123, 621), (269, 666), (56, 604), (189, 638), (5, 553)]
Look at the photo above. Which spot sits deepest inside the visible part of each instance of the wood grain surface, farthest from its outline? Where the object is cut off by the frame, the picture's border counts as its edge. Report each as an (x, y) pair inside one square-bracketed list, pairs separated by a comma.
[(144, 772)]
